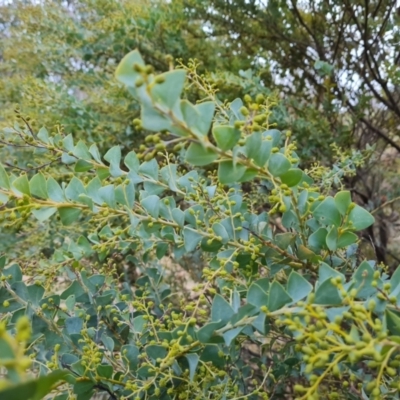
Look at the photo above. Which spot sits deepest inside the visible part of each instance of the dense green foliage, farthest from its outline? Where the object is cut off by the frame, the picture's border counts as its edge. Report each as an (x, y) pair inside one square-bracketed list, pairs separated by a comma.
[(111, 189), (334, 62), (171, 347), (337, 62)]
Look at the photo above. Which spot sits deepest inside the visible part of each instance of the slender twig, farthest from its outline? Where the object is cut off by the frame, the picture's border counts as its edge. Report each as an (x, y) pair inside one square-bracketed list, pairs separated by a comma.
[(385, 204)]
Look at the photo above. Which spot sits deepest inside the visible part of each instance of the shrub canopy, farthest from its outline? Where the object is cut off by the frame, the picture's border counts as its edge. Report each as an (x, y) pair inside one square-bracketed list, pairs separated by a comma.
[(282, 301)]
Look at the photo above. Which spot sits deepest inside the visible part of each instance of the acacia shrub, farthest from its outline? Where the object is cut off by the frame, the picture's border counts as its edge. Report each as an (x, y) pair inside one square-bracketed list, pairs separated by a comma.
[(324, 322)]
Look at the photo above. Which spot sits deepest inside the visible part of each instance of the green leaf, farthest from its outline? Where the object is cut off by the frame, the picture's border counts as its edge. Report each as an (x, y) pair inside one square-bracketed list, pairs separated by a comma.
[(107, 195), (36, 389), (190, 116), (15, 272), (343, 201), (228, 172), (212, 354), (70, 302), (278, 297), (74, 189), (102, 173), (169, 91), (235, 107), (205, 332), (68, 143), (38, 186), (179, 216), (94, 152), (92, 190), (42, 214), (232, 334), (105, 371), (220, 231), (81, 151), (83, 166), (22, 185), (363, 277), (153, 120), (125, 194), (304, 253), (253, 145), (3, 198), (278, 164), (346, 239), (193, 361), (327, 294), (73, 325), (108, 342), (393, 322), (6, 351), (113, 156), (292, 177), (132, 162), (87, 201), (4, 180), (326, 272), (323, 68), (283, 240), (169, 176), (130, 356), (249, 175), (84, 389), (54, 190), (69, 215), (298, 287), (43, 135), (331, 238), (197, 155), (210, 247), (395, 279), (150, 169), (191, 238), (257, 294), (161, 249), (206, 113), (152, 205), (125, 72), (221, 310), (226, 136), (67, 159), (327, 213), (258, 149), (145, 372), (317, 240), (260, 323), (360, 218), (247, 310)]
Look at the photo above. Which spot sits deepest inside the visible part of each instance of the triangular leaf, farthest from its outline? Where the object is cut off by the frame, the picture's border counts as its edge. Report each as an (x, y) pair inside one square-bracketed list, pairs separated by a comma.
[(197, 155), (125, 72), (327, 294), (4, 180), (298, 287), (360, 218), (228, 172), (221, 310), (226, 136), (278, 164), (38, 186), (278, 297), (191, 238)]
